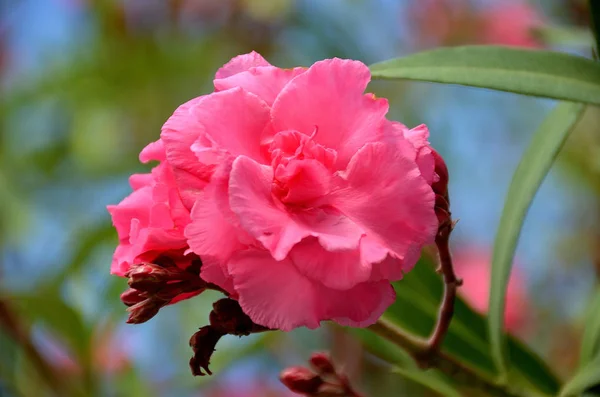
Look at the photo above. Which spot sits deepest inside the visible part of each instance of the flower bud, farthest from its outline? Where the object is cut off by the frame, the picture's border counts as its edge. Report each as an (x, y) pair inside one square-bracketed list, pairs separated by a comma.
[(322, 363), (132, 296), (144, 310), (301, 380), (151, 277)]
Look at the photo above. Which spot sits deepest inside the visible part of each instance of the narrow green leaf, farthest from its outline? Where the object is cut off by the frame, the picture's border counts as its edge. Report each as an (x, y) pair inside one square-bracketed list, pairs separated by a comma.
[(418, 297), (438, 384), (586, 378), (530, 72), (530, 173), (590, 343)]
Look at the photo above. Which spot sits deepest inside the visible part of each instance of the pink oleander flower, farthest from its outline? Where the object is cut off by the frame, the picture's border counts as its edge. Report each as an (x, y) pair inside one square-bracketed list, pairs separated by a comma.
[(473, 266), (510, 23), (304, 201)]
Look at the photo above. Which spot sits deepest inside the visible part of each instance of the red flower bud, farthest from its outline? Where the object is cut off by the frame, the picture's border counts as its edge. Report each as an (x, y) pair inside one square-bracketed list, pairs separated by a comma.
[(144, 310), (322, 363), (132, 296), (301, 380)]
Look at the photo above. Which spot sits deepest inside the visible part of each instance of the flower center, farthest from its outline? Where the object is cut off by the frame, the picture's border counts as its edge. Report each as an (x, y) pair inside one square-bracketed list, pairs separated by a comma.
[(301, 168)]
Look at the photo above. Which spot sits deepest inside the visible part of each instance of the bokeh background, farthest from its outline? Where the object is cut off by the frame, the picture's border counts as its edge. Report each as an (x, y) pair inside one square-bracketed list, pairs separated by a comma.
[(85, 84)]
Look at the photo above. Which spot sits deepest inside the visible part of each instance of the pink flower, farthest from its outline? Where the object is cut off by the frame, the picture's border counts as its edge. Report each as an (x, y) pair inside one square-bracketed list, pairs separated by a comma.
[(473, 266), (152, 219), (510, 24), (311, 192), (304, 200)]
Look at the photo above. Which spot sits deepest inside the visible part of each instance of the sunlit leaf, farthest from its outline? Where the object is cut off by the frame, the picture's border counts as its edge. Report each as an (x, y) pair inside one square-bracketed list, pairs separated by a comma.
[(530, 173), (587, 377), (415, 310), (590, 343), (438, 384), (530, 72)]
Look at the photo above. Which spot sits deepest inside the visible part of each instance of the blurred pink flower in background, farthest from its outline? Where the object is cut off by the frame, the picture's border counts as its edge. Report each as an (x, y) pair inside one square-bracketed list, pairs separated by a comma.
[(473, 265), (252, 390), (108, 353), (510, 23), (447, 22)]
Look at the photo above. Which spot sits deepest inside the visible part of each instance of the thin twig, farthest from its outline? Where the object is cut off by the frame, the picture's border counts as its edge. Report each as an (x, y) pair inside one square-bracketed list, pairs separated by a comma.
[(15, 330), (451, 284)]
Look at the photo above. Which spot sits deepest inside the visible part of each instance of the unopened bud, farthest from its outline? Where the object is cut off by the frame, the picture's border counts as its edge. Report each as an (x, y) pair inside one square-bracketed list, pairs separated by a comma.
[(144, 311), (149, 277), (322, 363), (131, 296), (301, 380)]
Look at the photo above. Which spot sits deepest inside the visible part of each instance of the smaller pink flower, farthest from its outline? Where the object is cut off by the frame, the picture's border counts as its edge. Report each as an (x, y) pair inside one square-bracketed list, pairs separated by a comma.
[(473, 266), (511, 24), (151, 220)]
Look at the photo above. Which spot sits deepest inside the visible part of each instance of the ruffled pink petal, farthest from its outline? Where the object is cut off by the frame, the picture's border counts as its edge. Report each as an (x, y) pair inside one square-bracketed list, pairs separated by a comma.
[(337, 269), (232, 121), (210, 233), (276, 295), (134, 206), (266, 82), (138, 181), (241, 63), (122, 259), (215, 271), (155, 151), (179, 133), (329, 96), (384, 192), (272, 224), (419, 138), (303, 181), (367, 303)]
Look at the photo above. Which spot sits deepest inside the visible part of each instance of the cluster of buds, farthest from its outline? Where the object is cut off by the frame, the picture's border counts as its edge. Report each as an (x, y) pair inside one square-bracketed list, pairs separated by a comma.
[(226, 318), (154, 285), (321, 380)]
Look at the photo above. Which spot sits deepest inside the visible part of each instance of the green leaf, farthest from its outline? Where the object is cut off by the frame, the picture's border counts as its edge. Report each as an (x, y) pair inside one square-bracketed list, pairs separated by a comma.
[(530, 72), (382, 348), (586, 378), (403, 363), (590, 343), (530, 173), (418, 296), (438, 384)]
